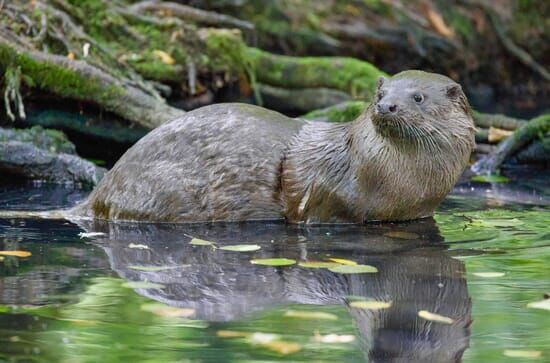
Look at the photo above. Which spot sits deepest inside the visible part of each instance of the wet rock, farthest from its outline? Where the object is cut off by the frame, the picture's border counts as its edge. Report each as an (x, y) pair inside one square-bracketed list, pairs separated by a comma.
[(44, 155)]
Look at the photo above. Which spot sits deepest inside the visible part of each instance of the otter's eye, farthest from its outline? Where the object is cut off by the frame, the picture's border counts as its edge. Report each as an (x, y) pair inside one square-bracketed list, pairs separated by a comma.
[(418, 97)]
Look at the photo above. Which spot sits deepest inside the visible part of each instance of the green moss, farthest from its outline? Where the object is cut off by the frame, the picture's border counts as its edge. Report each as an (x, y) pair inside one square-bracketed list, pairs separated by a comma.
[(56, 79), (350, 75), (344, 112)]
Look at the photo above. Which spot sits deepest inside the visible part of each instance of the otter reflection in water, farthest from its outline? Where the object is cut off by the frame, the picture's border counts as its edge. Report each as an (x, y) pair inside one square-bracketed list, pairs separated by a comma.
[(414, 274)]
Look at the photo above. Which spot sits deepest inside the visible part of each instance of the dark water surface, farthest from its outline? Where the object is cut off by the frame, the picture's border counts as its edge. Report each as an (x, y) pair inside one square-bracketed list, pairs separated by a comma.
[(143, 293)]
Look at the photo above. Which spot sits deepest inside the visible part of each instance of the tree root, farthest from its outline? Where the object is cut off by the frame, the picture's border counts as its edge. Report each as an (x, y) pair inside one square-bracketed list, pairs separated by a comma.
[(12, 94), (536, 129), (189, 13)]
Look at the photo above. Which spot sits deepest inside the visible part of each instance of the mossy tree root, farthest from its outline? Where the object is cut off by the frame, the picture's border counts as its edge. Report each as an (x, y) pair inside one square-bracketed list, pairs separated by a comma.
[(79, 80), (537, 129)]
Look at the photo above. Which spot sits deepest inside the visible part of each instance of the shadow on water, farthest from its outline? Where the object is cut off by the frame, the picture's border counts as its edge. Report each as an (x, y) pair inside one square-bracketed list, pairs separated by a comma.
[(413, 274)]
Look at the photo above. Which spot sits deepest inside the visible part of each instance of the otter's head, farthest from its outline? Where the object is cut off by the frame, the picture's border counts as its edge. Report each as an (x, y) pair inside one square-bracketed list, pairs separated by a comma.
[(426, 109)]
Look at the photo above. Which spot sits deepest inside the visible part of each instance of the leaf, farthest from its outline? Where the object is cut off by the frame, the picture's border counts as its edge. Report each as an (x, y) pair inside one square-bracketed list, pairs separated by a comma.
[(522, 353), (402, 235), (282, 347), (241, 248), (496, 135), (488, 274), (232, 334), (353, 269), (167, 311), (142, 285), (164, 57), (343, 261), (90, 234), (490, 178), (314, 315), (424, 314), (543, 304), (153, 268), (16, 253), (200, 242), (333, 338), (138, 246), (370, 304), (273, 261), (317, 264)]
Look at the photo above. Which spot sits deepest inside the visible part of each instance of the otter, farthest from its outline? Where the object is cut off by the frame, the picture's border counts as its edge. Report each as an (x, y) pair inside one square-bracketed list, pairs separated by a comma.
[(239, 162)]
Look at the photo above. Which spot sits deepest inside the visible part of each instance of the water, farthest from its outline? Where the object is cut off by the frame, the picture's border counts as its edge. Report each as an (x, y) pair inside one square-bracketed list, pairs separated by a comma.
[(144, 293)]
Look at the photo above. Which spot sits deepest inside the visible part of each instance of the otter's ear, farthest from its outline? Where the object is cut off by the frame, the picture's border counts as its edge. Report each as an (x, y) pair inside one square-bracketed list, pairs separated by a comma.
[(381, 81), (454, 91)]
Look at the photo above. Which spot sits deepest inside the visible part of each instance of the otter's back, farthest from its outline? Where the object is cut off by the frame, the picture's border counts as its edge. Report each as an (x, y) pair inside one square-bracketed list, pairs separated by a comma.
[(220, 162)]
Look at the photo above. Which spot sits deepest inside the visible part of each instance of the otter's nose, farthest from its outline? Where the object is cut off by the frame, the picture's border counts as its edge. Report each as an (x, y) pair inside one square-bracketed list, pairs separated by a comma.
[(385, 108)]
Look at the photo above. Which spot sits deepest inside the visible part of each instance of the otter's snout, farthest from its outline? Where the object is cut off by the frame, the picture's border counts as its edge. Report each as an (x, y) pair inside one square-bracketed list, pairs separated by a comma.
[(387, 108)]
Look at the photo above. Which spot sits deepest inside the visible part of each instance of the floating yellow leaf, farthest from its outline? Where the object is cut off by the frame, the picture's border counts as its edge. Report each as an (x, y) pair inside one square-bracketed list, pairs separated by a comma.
[(167, 311), (16, 253), (488, 274), (317, 264), (402, 235), (282, 347), (315, 315), (353, 269), (424, 314), (164, 57), (241, 248), (522, 353), (200, 242), (343, 261), (138, 246), (273, 261), (543, 304), (333, 338), (370, 304), (232, 334)]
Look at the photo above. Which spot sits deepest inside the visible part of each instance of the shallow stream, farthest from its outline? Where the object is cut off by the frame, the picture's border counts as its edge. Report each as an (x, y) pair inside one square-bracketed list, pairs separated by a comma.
[(467, 286)]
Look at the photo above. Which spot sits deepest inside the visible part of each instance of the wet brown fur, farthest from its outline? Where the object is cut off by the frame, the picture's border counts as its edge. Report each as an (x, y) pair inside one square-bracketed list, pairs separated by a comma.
[(234, 162)]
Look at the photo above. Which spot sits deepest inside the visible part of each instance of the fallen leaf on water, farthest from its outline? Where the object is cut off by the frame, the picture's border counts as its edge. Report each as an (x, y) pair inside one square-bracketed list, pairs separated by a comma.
[(16, 253), (232, 334), (263, 338), (152, 268), (164, 57), (343, 261), (317, 264), (522, 353), (488, 274), (90, 234), (353, 269), (315, 315), (282, 347), (490, 179), (402, 235), (424, 314), (370, 304), (241, 248), (200, 242), (138, 246), (333, 338), (167, 311), (142, 285), (273, 261), (543, 304)]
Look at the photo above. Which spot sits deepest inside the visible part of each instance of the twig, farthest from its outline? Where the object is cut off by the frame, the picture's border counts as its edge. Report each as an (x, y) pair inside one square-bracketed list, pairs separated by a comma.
[(190, 13)]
